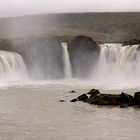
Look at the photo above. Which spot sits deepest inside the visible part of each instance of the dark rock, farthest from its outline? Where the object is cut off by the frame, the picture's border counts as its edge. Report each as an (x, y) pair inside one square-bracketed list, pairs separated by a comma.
[(82, 97), (131, 42), (73, 91), (126, 99), (84, 52), (74, 100), (91, 100), (107, 99), (93, 92), (62, 101), (137, 98), (123, 100)]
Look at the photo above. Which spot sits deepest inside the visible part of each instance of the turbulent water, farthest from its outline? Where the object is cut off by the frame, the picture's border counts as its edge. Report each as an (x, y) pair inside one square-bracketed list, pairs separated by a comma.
[(118, 66), (12, 67), (118, 59), (31, 110)]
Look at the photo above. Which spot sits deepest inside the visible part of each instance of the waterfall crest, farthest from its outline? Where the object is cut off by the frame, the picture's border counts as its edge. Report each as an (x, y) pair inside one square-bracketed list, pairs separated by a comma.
[(117, 54), (12, 66), (66, 60), (117, 64)]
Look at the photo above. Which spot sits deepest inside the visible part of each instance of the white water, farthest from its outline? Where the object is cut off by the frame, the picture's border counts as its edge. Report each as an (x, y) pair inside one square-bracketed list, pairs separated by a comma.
[(66, 60), (33, 112), (118, 66), (12, 67)]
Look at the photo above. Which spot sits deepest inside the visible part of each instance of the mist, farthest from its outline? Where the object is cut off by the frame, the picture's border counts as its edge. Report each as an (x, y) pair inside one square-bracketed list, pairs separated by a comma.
[(38, 39), (25, 7)]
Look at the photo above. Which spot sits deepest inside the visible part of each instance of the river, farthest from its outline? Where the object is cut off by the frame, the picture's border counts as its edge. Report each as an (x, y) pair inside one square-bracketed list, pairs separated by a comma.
[(32, 111)]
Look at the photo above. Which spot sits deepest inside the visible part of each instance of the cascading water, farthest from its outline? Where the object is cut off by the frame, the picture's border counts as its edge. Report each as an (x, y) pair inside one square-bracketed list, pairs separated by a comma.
[(12, 67), (66, 60), (118, 65)]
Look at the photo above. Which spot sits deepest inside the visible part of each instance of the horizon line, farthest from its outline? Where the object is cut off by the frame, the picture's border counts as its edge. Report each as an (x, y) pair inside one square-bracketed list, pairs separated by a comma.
[(59, 13)]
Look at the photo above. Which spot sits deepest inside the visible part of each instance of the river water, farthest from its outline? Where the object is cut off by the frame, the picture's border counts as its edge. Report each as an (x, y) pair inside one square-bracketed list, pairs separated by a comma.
[(32, 111)]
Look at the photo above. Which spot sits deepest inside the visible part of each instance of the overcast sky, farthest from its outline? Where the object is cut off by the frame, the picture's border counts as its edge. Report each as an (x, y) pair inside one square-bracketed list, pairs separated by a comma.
[(25, 7)]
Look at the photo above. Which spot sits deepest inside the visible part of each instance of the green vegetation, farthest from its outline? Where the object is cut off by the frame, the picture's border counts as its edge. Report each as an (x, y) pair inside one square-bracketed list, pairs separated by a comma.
[(103, 27), (119, 26)]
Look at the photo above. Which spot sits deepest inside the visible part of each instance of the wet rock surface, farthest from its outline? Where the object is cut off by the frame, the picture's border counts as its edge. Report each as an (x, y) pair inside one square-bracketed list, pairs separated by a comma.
[(42, 56), (74, 100), (126, 99), (83, 98), (131, 42), (84, 52), (96, 98), (72, 91), (93, 92), (62, 101), (137, 98), (106, 99)]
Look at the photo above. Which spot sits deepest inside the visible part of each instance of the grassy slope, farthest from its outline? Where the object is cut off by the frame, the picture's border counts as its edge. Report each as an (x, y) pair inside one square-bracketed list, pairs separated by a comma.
[(101, 26), (119, 25)]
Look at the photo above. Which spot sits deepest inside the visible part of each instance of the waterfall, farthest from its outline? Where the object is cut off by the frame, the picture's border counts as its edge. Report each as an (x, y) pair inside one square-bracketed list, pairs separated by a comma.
[(117, 64), (66, 60), (118, 54), (117, 57), (12, 66)]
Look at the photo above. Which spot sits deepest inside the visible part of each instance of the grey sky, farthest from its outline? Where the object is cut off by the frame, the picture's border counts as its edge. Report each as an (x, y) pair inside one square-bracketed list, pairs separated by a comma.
[(24, 7)]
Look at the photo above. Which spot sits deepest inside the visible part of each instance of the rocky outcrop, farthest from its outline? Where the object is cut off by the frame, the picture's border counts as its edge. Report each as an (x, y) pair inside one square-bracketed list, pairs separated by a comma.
[(126, 99), (137, 98), (74, 100), (84, 53), (83, 98), (106, 99), (93, 92), (97, 98), (43, 56), (131, 42)]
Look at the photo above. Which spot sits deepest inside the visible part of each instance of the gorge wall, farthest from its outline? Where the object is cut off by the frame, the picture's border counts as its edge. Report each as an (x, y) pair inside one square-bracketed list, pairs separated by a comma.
[(84, 53), (44, 56)]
